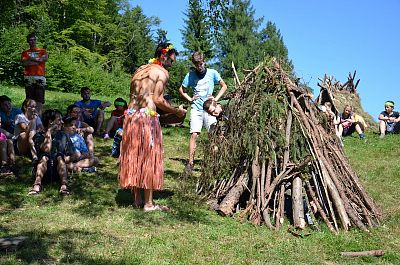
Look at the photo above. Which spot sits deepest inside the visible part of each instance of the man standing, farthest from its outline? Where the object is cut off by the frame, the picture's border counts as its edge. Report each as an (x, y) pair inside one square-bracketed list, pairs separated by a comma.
[(34, 61), (92, 110), (201, 80), (141, 159)]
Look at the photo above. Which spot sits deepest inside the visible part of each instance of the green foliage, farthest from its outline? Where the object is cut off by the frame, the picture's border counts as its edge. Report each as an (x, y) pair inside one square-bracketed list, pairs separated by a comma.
[(196, 32)]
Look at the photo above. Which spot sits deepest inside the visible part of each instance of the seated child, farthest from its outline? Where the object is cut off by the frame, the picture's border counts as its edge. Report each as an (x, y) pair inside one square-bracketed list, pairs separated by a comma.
[(82, 127), (389, 120), (347, 124), (7, 155), (81, 160), (54, 151), (115, 120)]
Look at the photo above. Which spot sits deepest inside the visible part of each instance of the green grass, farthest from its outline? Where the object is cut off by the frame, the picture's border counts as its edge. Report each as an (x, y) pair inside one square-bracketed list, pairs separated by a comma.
[(97, 225)]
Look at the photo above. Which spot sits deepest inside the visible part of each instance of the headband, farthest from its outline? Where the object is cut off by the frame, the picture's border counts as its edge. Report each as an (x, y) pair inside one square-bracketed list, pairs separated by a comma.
[(119, 104), (389, 104), (167, 49)]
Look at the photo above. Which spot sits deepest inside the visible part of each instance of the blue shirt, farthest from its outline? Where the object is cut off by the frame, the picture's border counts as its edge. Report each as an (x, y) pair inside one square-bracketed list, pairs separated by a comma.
[(89, 108), (7, 121), (79, 143), (203, 87)]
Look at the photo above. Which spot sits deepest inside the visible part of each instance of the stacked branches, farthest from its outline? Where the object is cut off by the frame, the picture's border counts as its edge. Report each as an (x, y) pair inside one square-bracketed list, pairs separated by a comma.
[(340, 95), (273, 156)]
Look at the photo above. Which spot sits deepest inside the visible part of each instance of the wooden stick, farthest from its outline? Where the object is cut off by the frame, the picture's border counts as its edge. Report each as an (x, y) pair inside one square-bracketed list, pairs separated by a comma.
[(368, 253)]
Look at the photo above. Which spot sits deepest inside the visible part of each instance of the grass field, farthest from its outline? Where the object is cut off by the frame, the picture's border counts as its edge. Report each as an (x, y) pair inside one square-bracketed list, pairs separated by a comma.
[(96, 224)]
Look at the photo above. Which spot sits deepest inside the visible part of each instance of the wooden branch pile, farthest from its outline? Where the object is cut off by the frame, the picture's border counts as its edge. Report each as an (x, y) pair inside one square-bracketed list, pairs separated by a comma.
[(272, 158), (341, 95)]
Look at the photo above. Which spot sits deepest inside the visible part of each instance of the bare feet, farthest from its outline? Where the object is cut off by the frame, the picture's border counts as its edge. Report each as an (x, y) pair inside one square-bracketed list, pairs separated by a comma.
[(156, 207)]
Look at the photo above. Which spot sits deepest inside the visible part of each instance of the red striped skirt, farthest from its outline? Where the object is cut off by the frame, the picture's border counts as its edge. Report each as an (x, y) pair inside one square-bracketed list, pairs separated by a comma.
[(141, 161)]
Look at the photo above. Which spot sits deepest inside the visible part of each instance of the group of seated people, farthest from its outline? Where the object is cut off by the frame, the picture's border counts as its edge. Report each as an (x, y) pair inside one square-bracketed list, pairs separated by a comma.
[(348, 121), (56, 143)]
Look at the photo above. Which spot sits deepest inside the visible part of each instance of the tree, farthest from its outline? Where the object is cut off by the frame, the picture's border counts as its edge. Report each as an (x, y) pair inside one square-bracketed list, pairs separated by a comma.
[(238, 41), (196, 33)]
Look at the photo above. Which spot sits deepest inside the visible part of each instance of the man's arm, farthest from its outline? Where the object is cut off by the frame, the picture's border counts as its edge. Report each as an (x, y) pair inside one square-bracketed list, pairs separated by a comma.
[(104, 104), (222, 90), (160, 101)]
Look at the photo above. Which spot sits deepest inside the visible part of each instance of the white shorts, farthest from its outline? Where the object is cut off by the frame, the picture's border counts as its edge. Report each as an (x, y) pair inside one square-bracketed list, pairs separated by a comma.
[(200, 119)]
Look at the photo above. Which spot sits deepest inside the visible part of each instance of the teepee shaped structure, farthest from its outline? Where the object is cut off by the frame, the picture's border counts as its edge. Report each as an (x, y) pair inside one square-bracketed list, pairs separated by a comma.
[(273, 158)]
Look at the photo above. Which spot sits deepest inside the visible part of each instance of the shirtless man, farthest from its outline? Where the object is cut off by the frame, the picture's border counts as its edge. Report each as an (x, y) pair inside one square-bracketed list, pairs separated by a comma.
[(141, 160)]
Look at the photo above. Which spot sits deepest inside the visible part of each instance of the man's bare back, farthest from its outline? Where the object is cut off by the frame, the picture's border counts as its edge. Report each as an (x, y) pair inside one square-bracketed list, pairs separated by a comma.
[(147, 86)]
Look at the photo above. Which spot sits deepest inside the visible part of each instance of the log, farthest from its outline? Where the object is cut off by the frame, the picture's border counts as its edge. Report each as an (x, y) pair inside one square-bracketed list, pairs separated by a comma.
[(368, 253), (297, 203), (227, 205)]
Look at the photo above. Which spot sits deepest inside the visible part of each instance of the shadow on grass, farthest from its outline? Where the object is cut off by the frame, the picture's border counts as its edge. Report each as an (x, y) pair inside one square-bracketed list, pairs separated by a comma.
[(38, 245)]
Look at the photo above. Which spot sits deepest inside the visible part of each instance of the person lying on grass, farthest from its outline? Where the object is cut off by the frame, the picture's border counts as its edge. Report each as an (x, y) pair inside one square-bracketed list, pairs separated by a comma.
[(81, 160), (54, 151)]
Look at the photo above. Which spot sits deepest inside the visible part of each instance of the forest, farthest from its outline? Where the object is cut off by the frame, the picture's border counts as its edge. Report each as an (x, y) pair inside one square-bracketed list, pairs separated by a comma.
[(100, 43)]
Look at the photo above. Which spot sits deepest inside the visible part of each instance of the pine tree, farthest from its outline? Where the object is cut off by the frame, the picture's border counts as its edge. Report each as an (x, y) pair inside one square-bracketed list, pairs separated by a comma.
[(196, 33)]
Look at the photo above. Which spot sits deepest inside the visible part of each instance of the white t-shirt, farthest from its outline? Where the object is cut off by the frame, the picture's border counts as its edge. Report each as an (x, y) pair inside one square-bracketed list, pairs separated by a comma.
[(21, 118)]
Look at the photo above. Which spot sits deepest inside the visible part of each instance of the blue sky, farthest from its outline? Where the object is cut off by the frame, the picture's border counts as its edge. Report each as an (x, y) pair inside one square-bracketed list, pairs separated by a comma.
[(323, 37)]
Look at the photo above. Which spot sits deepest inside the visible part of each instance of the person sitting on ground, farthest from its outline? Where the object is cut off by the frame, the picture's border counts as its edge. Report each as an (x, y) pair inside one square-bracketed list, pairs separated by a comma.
[(81, 160), (27, 124), (116, 146), (389, 120), (7, 154), (82, 127), (115, 121), (347, 124), (54, 149), (360, 120), (8, 114), (92, 110)]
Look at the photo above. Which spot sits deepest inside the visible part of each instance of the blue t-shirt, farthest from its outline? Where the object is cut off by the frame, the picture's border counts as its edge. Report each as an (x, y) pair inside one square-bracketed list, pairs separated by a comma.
[(79, 143), (7, 121), (203, 87), (89, 108)]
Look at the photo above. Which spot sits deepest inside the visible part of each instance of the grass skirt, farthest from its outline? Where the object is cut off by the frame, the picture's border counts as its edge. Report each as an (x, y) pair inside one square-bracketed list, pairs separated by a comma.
[(141, 161)]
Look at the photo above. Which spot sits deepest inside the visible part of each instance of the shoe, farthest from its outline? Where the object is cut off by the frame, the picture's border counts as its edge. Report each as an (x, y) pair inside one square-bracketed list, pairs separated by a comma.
[(106, 136), (362, 136), (5, 170), (89, 169), (381, 136)]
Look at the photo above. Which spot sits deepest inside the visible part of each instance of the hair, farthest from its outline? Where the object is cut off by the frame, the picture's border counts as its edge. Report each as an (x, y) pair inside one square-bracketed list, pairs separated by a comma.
[(49, 115), (197, 57), (164, 45), (4, 98), (347, 106), (390, 102), (71, 107), (30, 35), (68, 120), (121, 100), (208, 103), (26, 103), (85, 88)]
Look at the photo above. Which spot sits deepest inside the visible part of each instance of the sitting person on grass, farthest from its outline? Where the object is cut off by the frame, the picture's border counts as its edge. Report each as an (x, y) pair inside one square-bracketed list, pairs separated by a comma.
[(7, 154), (115, 121), (92, 110), (347, 124), (81, 160), (116, 146), (8, 114), (54, 150), (389, 120), (27, 124), (82, 127)]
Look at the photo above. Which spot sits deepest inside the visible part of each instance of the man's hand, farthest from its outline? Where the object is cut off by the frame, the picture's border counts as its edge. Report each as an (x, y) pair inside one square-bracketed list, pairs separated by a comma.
[(181, 111)]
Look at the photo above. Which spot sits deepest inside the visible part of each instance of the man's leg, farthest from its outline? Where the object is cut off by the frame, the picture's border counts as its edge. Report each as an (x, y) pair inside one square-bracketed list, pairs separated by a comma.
[(10, 152), (99, 121), (137, 197), (90, 143), (111, 125), (192, 148), (41, 169), (63, 174), (382, 128), (148, 198)]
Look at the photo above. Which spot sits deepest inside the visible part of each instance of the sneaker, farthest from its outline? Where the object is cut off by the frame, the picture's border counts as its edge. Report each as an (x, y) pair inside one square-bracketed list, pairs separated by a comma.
[(89, 169), (106, 136), (5, 170), (381, 136), (362, 136)]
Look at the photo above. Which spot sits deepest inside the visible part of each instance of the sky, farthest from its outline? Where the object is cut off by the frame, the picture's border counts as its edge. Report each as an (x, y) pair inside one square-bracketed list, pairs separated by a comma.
[(323, 37)]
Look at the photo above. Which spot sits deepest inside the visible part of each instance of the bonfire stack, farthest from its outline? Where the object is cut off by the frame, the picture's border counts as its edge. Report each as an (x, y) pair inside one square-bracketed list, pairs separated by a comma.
[(273, 158)]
